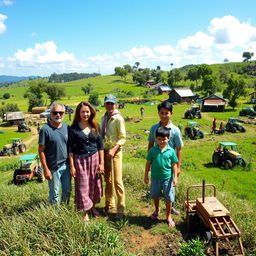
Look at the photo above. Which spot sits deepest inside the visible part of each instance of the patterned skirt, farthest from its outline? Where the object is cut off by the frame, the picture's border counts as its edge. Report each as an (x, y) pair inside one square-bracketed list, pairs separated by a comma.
[(88, 186)]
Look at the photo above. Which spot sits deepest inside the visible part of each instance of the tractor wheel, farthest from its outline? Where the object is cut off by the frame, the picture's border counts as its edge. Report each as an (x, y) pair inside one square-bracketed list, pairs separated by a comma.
[(16, 151), (243, 163), (242, 129), (22, 148), (215, 159), (201, 135), (199, 116), (16, 172), (228, 164), (233, 129), (207, 236), (40, 174)]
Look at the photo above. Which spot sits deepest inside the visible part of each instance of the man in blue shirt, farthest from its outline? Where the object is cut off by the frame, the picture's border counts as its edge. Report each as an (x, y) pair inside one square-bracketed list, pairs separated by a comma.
[(53, 153)]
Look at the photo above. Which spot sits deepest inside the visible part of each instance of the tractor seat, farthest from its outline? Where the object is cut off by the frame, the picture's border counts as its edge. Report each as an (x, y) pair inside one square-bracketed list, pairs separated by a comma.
[(234, 153)]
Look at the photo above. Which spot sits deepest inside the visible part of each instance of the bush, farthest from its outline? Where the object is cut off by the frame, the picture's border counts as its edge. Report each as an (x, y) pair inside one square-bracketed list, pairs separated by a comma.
[(94, 99), (193, 248)]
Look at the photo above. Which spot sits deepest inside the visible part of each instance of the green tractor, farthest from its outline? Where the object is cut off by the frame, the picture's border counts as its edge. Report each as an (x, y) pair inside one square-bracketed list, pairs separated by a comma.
[(193, 131), (193, 112), (233, 125), (227, 155), (15, 147), (29, 168), (249, 111)]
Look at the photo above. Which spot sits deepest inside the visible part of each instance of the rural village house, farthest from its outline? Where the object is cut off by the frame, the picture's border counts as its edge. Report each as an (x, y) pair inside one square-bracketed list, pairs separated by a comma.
[(181, 95), (213, 103), (14, 118)]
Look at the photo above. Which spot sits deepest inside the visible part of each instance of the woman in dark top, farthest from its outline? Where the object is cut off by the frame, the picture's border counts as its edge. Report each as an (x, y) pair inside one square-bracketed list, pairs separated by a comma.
[(86, 159)]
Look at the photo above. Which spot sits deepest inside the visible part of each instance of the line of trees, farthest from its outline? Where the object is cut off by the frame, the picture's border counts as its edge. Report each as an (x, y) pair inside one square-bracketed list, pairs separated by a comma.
[(66, 77)]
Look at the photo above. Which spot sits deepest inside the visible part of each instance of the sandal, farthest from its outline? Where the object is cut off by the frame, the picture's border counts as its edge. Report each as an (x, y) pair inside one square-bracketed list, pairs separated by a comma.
[(154, 216), (170, 223), (95, 213)]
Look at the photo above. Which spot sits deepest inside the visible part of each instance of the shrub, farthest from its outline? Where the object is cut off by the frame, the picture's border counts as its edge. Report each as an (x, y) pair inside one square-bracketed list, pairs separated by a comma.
[(193, 248)]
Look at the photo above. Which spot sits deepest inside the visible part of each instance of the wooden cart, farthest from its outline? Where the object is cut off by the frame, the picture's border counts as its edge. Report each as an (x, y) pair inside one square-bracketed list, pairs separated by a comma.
[(214, 216)]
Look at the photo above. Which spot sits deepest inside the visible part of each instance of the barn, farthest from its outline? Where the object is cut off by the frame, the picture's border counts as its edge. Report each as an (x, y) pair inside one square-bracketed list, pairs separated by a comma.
[(14, 118), (181, 95), (213, 103)]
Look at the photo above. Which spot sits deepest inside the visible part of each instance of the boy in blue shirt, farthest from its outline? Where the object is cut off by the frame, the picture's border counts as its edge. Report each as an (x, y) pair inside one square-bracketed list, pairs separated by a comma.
[(162, 161)]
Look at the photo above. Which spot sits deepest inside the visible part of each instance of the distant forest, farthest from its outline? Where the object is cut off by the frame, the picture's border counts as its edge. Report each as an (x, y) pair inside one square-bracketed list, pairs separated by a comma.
[(66, 77)]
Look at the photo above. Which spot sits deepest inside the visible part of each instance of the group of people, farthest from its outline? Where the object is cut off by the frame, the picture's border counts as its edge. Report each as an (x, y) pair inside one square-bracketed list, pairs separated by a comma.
[(88, 151)]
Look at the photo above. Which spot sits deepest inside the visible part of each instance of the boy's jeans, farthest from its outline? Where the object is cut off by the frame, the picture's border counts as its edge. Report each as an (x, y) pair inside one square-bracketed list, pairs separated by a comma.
[(60, 176)]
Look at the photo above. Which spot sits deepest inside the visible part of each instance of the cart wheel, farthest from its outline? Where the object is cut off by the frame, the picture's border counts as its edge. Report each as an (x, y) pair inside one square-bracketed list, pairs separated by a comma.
[(207, 236)]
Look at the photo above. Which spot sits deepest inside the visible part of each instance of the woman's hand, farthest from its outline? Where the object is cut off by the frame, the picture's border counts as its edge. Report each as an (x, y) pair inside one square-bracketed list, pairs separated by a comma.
[(73, 172), (101, 168)]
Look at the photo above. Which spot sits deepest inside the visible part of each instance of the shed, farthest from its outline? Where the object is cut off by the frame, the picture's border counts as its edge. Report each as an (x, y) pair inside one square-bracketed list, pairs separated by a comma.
[(14, 118), (213, 103), (164, 88), (181, 95)]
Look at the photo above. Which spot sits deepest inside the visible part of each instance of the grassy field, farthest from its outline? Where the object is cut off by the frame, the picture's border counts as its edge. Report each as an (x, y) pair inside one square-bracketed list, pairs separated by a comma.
[(29, 226)]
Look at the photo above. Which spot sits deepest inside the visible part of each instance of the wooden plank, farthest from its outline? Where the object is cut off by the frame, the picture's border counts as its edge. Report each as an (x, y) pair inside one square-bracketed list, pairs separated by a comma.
[(211, 207)]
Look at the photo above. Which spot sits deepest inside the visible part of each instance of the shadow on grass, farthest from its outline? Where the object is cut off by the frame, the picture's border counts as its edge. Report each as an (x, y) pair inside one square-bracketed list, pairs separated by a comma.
[(209, 165), (120, 81)]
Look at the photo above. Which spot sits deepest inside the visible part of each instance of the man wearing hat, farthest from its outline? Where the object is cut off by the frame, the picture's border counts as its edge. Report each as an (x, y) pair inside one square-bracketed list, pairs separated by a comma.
[(114, 137)]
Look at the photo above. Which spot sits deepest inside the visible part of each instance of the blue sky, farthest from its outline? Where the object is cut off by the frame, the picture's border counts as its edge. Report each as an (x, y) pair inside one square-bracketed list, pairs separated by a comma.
[(39, 37)]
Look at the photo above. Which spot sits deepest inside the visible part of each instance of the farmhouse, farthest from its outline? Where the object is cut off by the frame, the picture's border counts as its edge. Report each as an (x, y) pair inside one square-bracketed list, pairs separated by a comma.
[(13, 118), (180, 95), (213, 103)]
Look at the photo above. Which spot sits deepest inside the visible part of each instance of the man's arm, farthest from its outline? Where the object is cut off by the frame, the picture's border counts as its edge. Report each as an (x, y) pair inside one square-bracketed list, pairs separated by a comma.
[(179, 155), (47, 172), (150, 145)]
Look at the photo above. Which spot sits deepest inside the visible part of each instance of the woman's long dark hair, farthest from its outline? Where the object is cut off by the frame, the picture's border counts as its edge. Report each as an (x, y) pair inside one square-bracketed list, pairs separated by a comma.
[(92, 119)]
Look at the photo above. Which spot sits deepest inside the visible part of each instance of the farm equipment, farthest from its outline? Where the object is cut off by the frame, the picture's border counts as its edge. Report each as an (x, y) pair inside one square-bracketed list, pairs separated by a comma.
[(23, 127), (15, 147), (29, 168), (211, 217), (193, 112), (249, 111), (227, 155), (233, 125), (193, 131)]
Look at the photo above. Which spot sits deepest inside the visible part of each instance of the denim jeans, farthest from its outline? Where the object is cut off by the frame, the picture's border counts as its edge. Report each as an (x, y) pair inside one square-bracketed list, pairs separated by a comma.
[(60, 177)]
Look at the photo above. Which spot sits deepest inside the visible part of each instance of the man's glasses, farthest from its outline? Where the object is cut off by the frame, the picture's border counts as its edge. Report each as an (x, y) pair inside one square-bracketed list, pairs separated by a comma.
[(58, 112)]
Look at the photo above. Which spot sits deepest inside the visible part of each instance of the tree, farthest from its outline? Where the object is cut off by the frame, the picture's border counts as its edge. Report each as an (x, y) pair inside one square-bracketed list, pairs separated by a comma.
[(54, 92), (128, 68), (87, 89), (139, 77), (122, 72), (236, 88), (193, 74), (225, 60), (6, 95), (136, 64), (158, 68), (247, 56), (9, 107), (204, 70), (94, 99), (210, 84), (173, 77), (35, 93)]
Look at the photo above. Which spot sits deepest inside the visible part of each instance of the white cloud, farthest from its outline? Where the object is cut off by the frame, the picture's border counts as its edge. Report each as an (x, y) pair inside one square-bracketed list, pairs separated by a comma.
[(231, 33), (226, 38), (6, 2), (2, 25)]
